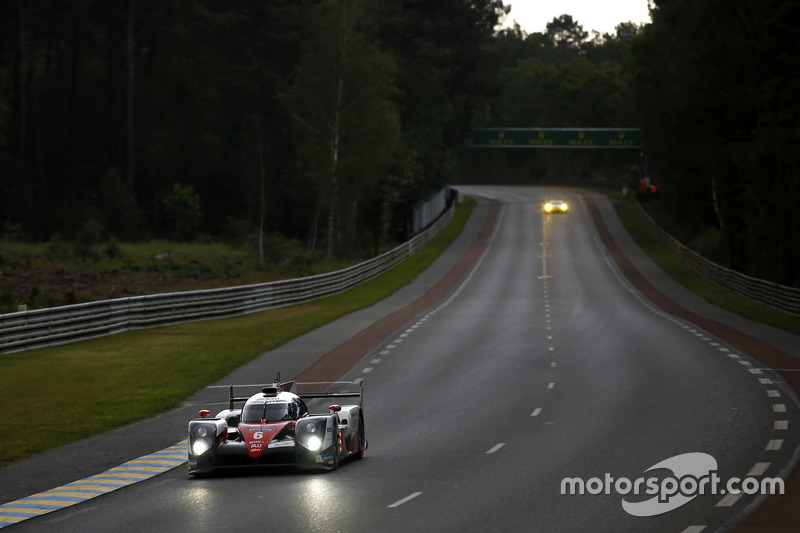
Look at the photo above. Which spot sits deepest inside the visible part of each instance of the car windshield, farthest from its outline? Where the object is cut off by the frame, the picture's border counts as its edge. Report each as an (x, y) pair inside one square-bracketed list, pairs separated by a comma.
[(272, 412)]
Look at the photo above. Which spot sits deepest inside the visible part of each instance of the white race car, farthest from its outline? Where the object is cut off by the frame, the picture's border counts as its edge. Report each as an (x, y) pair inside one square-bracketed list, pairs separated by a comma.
[(274, 427)]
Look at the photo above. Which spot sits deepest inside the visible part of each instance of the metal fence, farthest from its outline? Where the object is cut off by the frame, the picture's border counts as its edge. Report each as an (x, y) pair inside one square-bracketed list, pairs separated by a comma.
[(72, 323), (781, 297)]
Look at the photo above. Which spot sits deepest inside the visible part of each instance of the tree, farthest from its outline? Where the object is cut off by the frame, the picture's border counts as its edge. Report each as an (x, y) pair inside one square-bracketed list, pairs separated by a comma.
[(715, 80), (567, 33), (343, 103), (182, 209)]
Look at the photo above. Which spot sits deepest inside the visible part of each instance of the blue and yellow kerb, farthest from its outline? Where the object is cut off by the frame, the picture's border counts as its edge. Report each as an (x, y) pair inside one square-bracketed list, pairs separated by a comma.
[(85, 489)]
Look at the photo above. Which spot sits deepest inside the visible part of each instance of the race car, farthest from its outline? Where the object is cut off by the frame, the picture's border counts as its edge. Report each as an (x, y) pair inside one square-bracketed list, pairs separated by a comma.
[(555, 206), (274, 427)]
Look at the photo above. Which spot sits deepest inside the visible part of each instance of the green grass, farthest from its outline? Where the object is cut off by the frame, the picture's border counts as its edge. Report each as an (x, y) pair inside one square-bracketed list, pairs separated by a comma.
[(86, 388), (83, 389), (691, 279)]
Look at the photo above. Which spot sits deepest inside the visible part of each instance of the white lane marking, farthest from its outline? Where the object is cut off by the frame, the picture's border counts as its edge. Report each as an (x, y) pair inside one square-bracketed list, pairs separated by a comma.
[(729, 499), (754, 370), (367, 370), (407, 499), (781, 424), (376, 361), (495, 447), (772, 393), (758, 469), (774, 445), (693, 529), (552, 364), (551, 385), (536, 411), (778, 407)]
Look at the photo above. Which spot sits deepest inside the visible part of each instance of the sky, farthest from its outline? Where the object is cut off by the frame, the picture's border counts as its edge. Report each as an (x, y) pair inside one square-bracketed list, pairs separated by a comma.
[(600, 15)]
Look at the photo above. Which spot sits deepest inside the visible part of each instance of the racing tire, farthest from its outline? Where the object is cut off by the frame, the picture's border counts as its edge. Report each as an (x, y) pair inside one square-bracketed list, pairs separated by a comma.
[(362, 440), (335, 447)]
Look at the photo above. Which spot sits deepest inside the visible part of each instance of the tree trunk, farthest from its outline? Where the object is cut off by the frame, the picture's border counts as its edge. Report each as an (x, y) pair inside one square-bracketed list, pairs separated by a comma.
[(23, 87), (262, 207), (131, 153)]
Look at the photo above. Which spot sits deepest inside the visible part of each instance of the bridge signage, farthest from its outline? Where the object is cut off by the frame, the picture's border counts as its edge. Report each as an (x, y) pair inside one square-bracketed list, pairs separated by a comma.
[(555, 138)]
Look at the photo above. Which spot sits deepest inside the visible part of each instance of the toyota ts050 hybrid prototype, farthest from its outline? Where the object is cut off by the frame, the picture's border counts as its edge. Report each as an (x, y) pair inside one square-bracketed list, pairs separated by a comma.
[(274, 427)]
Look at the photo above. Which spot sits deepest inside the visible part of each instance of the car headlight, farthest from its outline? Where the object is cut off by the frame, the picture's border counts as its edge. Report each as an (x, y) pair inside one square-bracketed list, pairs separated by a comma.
[(202, 439), (199, 447), (314, 443), (310, 434)]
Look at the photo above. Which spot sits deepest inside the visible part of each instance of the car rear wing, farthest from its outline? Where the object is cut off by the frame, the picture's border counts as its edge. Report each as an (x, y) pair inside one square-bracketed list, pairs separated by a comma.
[(289, 385), (339, 394)]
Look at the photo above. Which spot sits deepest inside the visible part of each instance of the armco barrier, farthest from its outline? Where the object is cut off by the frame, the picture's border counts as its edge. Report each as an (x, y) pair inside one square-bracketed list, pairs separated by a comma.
[(72, 323), (781, 297)]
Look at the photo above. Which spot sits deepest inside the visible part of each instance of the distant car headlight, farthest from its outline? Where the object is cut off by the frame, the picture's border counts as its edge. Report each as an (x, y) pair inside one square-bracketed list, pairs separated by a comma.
[(548, 207)]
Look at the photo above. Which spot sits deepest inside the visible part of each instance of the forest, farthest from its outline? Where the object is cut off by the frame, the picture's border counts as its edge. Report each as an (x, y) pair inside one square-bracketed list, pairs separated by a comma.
[(327, 121)]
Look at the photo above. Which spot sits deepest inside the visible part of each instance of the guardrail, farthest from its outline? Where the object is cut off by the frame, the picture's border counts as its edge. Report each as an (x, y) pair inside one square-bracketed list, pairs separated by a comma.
[(781, 297), (73, 323)]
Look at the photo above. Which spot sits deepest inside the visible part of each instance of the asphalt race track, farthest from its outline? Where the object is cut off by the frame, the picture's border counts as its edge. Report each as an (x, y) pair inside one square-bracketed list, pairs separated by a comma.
[(522, 357)]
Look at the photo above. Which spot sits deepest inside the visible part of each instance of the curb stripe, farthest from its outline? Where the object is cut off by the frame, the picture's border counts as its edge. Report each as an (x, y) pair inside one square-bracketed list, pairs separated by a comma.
[(79, 491)]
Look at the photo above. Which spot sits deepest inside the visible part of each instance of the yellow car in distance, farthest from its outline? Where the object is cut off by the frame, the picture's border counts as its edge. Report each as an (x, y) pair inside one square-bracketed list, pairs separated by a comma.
[(555, 206)]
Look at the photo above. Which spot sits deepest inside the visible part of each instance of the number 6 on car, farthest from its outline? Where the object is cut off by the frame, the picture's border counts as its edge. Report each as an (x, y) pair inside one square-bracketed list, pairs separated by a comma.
[(274, 427)]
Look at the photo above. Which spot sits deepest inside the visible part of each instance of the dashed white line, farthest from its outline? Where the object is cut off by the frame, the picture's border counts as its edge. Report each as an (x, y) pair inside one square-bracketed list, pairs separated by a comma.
[(693, 529), (495, 447), (407, 499), (774, 445), (781, 425), (758, 469), (729, 499), (772, 393), (551, 385), (778, 407), (536, 411)]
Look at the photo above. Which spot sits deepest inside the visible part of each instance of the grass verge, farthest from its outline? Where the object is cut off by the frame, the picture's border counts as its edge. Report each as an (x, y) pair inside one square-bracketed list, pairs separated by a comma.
[(691, 279), (83, 389)]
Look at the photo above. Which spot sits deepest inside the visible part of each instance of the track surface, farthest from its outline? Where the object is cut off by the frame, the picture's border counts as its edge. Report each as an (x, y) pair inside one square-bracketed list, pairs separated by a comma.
[(484, 389)]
